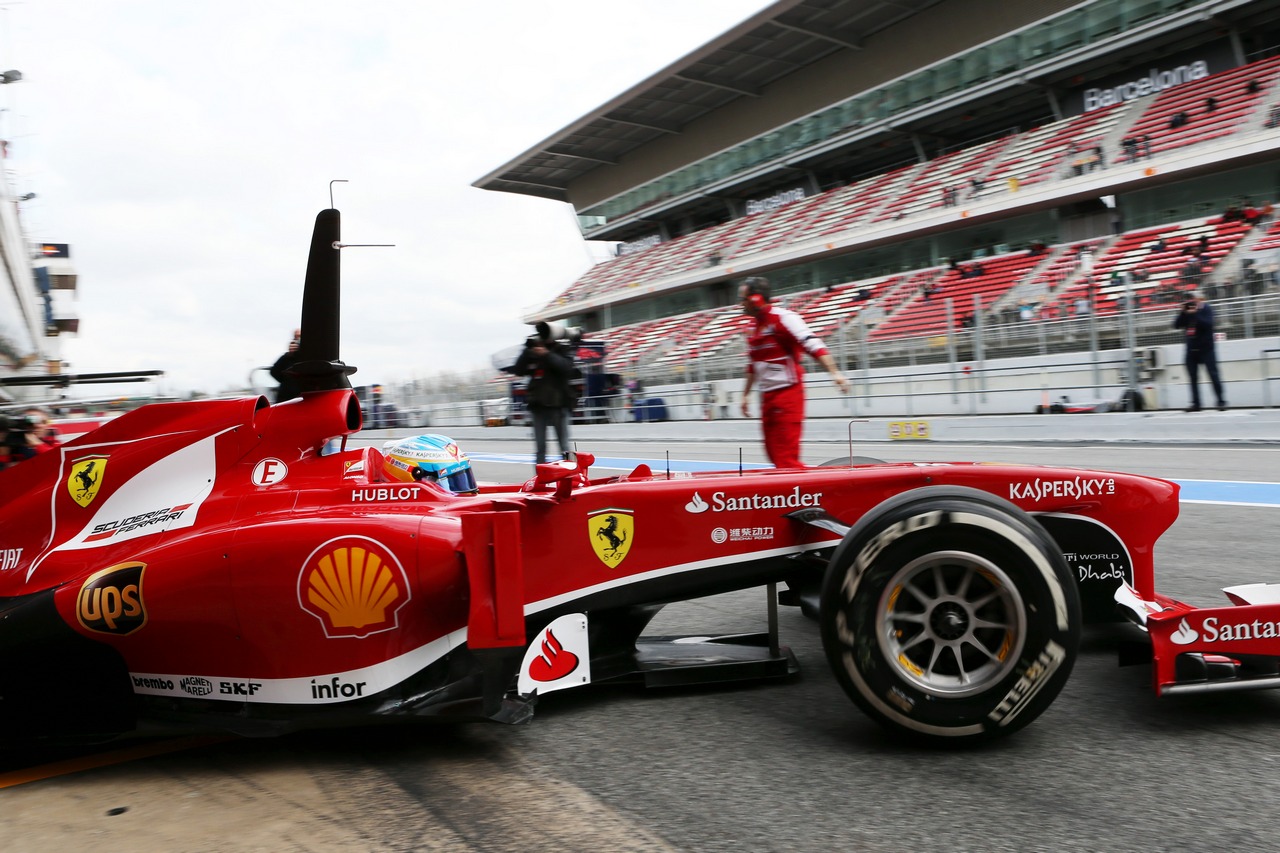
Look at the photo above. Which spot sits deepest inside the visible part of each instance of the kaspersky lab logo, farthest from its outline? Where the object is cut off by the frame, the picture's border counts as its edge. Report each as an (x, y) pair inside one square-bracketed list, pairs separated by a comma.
[(1214, 630)]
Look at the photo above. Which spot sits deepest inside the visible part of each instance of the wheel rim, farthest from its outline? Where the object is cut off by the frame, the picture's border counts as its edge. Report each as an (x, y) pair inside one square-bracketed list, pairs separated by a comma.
[(951, 623)]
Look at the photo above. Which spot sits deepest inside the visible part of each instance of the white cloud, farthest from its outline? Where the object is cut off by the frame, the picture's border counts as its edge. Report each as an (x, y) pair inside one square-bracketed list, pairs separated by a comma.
[(184, 149)]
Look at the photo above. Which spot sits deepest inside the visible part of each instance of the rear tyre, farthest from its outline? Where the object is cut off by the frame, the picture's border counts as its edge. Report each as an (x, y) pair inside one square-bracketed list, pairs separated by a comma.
[(949, 616), (850, 461)]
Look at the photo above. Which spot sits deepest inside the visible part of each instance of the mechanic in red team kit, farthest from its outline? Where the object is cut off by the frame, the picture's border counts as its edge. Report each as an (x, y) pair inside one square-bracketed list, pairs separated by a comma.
[(775, 344)]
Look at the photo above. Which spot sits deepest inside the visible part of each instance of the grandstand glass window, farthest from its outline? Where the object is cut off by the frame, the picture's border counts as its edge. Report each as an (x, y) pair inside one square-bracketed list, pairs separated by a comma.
[(680, 302), (1140, 11), (787, 139), (724, 167), (948, 76), (1065, 33), (920, 88), (975, 68), (825, 124), (852, 113), (727, 163), (895, 98), (761, 151), (703, 174), (1005, 56), (1036, 42), (740, 158), (1104, 18), (673, 185), (815, 128)]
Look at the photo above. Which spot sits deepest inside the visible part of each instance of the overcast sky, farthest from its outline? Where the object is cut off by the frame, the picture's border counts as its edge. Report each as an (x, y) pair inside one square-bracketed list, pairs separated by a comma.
[(183, 150)]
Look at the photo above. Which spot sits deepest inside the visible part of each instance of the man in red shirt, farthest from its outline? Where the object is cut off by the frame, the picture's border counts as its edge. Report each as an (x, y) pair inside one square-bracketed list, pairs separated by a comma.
[(775, 344)]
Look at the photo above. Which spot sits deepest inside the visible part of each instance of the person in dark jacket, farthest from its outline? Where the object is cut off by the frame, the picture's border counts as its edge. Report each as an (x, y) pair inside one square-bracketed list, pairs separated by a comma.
[(288, 387), (549, 396), (1196, 320)]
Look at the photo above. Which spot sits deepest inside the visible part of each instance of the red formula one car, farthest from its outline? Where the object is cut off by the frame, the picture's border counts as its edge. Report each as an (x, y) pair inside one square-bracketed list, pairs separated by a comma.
[(206, 565)]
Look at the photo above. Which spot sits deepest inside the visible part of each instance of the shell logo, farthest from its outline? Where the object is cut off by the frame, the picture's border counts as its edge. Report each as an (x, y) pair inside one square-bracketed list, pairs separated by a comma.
[(354, 585)]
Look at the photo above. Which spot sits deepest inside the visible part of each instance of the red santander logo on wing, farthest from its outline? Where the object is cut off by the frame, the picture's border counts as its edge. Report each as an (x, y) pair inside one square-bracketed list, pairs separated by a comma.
[(554, 662), (558, 658)]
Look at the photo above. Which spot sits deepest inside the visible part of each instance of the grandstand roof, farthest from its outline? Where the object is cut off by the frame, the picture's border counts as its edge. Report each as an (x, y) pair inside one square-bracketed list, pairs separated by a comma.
[(779, 40), (791, 36)]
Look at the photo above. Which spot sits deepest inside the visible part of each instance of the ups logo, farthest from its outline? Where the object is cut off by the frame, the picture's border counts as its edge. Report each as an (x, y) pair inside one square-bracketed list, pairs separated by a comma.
[(110, 601)]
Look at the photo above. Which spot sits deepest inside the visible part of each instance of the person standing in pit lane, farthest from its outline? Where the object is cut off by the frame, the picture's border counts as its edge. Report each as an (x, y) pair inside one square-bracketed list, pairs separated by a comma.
[(288, 387), (775, 343), (1196, 321), (550, 395)]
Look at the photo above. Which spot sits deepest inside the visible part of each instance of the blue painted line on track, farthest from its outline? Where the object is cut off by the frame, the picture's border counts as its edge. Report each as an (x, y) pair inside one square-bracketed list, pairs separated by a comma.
[(1228, 492), (1221, 492)]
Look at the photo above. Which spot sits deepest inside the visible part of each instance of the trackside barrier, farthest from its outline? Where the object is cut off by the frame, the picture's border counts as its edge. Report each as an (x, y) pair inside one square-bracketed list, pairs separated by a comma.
[(1266, 376)]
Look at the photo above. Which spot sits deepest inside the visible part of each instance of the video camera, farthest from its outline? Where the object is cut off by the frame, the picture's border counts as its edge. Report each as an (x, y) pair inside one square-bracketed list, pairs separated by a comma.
[(16, 424), (557, 331)]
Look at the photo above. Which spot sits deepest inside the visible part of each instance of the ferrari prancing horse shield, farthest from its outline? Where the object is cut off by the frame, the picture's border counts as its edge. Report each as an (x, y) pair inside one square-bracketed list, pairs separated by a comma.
[(612, 531), (86, 478)]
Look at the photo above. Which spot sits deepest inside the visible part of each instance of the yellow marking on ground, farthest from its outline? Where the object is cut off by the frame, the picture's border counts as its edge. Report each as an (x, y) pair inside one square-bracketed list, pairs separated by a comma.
[(104, 759)]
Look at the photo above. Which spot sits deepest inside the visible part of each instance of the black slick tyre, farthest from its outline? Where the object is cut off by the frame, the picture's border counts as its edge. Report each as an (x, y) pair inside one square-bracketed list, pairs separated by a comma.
[(850, 461), (949, 616)]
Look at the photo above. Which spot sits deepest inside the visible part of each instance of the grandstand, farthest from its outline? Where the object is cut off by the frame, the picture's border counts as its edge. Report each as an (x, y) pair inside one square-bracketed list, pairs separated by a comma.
[(910, 173)]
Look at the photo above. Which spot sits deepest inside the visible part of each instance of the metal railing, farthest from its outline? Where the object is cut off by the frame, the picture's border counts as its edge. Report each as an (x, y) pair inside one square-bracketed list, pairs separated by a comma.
[(963, 367)]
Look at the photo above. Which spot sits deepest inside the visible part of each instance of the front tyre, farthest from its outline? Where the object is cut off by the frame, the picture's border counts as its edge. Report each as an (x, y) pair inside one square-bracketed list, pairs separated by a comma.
[(949, 616)]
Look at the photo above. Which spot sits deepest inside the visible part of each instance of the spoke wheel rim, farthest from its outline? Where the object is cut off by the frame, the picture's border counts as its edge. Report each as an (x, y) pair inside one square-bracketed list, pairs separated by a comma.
[(951, 623)]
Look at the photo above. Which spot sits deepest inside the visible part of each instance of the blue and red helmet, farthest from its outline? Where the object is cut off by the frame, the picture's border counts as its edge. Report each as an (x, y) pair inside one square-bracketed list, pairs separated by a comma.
[(430, 459)]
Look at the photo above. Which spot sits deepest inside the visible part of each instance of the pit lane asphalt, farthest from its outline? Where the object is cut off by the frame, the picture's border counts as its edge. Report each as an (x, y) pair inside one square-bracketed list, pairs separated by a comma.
[(787, 766)]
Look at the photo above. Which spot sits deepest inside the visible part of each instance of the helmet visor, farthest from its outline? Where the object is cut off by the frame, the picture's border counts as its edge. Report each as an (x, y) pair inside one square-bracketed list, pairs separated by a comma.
[(460, 482)]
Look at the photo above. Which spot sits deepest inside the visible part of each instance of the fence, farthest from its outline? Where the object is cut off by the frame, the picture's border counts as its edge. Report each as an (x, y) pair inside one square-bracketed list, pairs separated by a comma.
[(989, 369)]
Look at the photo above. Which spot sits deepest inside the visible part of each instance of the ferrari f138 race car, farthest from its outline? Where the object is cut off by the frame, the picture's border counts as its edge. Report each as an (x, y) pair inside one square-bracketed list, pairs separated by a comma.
[(204, 565)]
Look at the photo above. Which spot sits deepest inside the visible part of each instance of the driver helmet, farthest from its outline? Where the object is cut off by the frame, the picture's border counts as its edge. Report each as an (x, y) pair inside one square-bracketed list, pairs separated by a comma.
[(429, 459)]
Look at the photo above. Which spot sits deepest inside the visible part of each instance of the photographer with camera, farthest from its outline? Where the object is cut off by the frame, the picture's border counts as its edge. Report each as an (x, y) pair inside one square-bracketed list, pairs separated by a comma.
[(16, 440), (1195, 318), (549, 397), (288, 387)]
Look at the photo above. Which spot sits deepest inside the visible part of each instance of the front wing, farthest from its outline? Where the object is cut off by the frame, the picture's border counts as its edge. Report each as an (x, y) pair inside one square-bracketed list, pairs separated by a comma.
[(1197, 650)]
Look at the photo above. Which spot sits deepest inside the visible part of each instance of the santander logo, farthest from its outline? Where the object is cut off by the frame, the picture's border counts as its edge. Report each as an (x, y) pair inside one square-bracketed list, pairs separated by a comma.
[(559, 658), (1185, 635), (554, 662), (1214, 630), (722, 502), (697, 504)]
